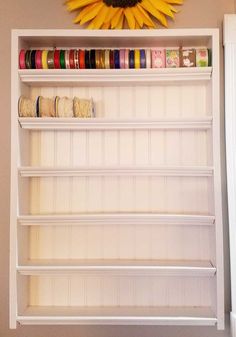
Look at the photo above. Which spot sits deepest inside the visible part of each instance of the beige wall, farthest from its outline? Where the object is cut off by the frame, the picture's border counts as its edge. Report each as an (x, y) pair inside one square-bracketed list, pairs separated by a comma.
[(52, 14)]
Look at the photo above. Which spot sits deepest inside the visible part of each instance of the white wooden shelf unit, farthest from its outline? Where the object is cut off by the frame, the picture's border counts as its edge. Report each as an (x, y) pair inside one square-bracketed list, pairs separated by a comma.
[(117, 219)]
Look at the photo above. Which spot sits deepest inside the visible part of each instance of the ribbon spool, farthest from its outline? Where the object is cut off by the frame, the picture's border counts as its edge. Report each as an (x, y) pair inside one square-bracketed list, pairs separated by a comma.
[(45, 59), (76, 58), (83, 108), (67, 59), (137, 58), (131, 59), (117, 58), (126, 58), (142, 58), (107, 59), (50, 59), (64, 107), (46, 107), (148, 58), (27, 107), (81, 59), (22, 64), (38, 59), (122, 58), (93, 58)]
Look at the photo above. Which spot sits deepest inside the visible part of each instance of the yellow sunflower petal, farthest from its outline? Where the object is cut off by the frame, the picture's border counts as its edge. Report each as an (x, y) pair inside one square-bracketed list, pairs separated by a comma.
[(120, 22), (173, 9), (129, 17), (137, 25), (91, 25), (106, 25), (146, 4), (100, 17), (146, 18), (92, 13), (83, 12), (111, 13), (116, 18), (162, 18), (162, 7), (76, 4), (105, 17), (175, 2), (138, 16)]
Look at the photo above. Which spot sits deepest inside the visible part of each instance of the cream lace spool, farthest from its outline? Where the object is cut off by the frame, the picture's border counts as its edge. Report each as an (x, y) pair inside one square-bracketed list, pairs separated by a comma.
[(64, 107), (83, 108), (27, 107), (46, 107)]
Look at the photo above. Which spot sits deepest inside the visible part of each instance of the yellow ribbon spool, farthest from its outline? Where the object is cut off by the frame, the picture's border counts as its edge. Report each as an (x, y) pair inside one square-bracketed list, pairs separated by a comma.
[(137, 58), (45, 59)]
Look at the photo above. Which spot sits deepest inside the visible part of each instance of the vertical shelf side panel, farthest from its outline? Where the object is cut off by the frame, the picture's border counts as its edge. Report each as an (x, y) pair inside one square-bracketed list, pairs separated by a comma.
[(217, 181), (230, 132), (14, 180)]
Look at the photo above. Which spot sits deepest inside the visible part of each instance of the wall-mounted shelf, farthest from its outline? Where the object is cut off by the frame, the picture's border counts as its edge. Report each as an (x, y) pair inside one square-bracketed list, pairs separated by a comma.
[(115, 171), (117, 267), (121, 316), (117, 124), (117, 219)]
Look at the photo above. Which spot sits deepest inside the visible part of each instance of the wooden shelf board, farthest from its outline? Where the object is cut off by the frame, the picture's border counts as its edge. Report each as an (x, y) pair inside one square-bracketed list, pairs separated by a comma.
[(121, 38), (118, 315), (56, 123), (151, 267), (117, 218), (112, 76), (177, 171)]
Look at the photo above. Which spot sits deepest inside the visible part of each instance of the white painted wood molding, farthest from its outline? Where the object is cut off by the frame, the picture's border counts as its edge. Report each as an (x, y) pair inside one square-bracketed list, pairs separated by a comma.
[(230, 125), (106, 77)]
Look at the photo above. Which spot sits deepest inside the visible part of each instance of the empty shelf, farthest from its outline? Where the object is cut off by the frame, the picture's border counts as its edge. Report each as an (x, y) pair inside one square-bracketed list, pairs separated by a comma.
[(117, 218), (118, 315), (31, 171), (152, 267)]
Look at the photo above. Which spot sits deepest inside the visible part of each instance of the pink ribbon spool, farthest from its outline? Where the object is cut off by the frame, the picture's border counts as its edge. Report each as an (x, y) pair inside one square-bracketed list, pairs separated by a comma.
[(38, 59), (22, 59)]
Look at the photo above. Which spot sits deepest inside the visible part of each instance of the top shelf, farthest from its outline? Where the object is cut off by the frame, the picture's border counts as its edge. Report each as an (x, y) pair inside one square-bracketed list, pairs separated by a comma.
[(114, 77), (118, 38)]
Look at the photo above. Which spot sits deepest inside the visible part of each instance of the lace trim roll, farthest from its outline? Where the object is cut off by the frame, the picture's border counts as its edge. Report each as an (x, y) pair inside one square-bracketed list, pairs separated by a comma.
[(27, 107), (64, 107), (56, 107), (83, 108), (47, 107)]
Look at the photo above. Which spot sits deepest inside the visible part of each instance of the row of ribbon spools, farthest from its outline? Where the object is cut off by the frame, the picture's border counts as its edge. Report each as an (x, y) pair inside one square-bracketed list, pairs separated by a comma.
[(114, 59), (55, 107)]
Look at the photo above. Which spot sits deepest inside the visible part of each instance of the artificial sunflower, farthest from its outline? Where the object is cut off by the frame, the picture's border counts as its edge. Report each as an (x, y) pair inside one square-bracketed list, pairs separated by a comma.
[(111, 14)]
